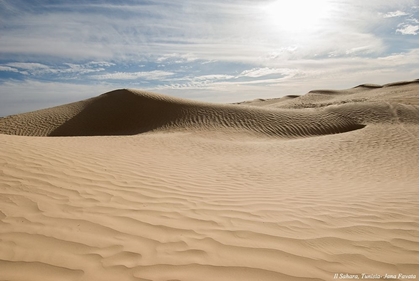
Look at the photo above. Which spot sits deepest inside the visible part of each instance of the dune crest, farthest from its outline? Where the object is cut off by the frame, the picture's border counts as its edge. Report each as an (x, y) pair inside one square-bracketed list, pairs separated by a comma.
[(130, 112)]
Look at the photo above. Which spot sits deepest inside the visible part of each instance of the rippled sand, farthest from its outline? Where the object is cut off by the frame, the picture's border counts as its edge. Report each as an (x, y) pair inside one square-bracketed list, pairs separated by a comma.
[(133, 185)]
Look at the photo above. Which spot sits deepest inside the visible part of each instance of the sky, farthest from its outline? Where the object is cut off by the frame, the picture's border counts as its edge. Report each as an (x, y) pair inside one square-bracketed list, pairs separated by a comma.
[(54, 52)]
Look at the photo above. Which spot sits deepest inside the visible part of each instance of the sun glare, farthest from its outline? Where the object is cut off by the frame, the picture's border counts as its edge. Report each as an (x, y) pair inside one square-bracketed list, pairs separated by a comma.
[(296, 15)]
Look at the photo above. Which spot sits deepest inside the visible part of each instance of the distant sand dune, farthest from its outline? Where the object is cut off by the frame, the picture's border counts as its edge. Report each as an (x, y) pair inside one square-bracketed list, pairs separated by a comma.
[(151, 187), (406, 93)]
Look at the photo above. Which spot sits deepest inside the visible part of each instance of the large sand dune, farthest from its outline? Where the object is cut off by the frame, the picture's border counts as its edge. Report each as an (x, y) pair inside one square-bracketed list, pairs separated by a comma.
[(150, 187)]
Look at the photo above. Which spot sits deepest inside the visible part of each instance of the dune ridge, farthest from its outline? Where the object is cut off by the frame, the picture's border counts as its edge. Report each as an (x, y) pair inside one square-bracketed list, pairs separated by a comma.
[(129, 112), (405, 92), (171, 189)]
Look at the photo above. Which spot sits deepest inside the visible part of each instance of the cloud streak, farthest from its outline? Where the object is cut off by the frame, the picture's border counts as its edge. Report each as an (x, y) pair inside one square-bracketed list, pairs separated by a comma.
[(150, 75), (395, 14)]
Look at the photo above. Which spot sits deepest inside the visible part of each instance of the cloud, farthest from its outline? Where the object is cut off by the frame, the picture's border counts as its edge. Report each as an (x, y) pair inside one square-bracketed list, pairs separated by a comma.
[(176, 58), (80, 68), (209, 81), (213, 77), (149, 75), (28, 65), (254, 76), (409, 25), (408, 28), (100, 63), (38, 69), (259, 72), (8, 68), (173, 32), (394, 14)]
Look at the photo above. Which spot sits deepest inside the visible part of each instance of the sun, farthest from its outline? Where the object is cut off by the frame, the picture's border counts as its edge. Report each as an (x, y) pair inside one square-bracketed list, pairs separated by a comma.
[(296, 15)]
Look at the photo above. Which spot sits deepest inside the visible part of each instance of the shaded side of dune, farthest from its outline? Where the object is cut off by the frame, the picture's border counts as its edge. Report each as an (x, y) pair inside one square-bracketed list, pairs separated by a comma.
[(121, 112)]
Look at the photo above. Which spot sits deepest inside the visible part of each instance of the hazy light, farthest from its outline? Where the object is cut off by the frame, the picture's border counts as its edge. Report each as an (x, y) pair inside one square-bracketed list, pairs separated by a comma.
[(296, 15)]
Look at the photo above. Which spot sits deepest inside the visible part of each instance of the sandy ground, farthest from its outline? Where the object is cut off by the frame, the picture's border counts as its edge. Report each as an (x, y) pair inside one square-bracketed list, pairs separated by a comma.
[(139, 186)]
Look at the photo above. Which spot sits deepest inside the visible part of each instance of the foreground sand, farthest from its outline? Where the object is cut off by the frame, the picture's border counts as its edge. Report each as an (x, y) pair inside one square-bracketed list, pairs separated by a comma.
[(156, 188)]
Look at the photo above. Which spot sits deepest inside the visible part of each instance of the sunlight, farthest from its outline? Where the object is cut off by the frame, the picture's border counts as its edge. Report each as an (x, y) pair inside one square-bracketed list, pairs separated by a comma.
[(296, 15)]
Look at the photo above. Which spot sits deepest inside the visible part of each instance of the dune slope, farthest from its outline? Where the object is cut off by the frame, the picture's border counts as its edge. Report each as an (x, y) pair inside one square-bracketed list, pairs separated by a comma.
[(151, 187), (129, 112)]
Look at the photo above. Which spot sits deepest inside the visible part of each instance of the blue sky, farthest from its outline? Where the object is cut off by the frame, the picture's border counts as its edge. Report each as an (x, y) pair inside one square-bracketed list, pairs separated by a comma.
[(55, 52)]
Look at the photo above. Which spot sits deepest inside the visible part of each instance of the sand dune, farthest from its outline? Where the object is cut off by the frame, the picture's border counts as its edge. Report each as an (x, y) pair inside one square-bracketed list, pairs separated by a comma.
[(150, 187), (130, 112)]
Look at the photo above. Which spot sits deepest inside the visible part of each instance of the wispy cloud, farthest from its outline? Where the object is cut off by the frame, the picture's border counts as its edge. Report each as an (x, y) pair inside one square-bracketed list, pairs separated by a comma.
[(38, 69), (176, 58), (411, 27), (149, 75), (264, 71), (8, 69), (407, 29), (408, 20), (28, 65), (184, 31), (395, 14)]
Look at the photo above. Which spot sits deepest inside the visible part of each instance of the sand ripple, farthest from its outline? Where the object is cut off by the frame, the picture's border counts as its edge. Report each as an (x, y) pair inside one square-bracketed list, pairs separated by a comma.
[(196, 191)]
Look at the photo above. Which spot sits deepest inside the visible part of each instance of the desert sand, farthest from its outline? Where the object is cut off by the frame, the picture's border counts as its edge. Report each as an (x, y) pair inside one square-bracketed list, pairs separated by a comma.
[(132, 185)]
